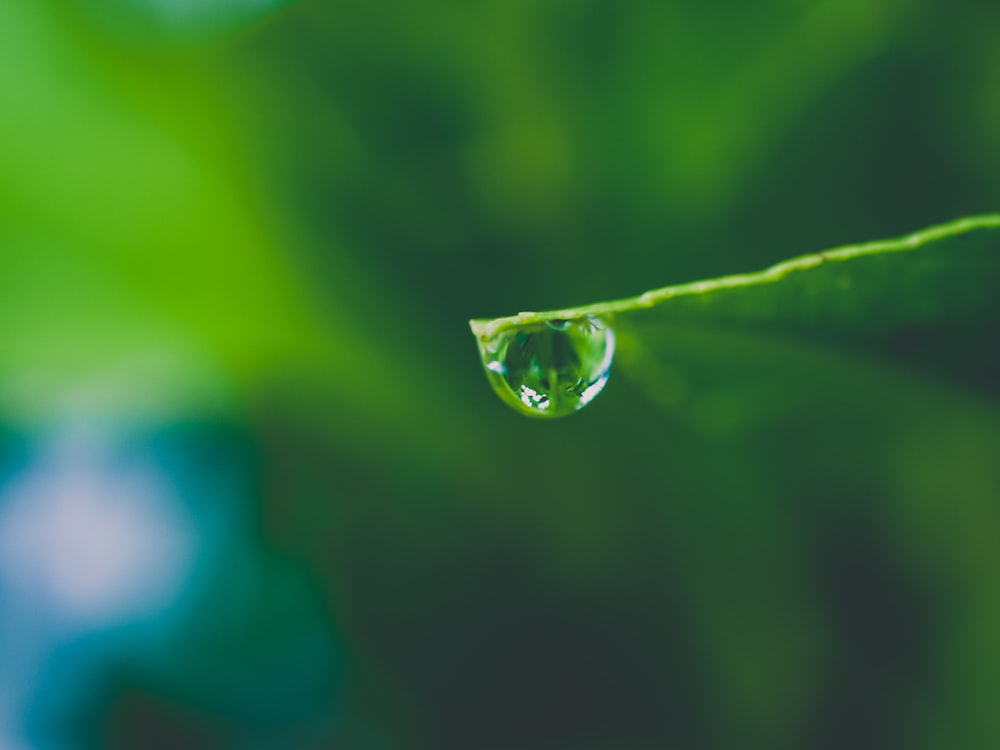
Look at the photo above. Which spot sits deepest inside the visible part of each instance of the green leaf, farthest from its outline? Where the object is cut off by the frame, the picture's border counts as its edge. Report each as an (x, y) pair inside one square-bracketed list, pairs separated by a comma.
[(926, 302)]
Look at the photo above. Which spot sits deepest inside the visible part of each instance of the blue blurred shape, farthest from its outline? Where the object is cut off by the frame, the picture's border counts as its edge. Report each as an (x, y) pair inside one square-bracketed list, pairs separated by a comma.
[(129, 565)]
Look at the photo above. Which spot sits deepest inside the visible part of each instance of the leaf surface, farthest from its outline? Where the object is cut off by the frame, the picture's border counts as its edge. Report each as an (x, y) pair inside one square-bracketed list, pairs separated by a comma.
[(926, 302)]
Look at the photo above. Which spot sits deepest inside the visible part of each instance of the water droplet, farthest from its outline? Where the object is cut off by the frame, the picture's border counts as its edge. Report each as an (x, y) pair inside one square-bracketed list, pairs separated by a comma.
[(552, 368)]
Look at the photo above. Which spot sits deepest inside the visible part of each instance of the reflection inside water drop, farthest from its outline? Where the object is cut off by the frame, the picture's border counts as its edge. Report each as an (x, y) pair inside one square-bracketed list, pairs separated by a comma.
[(552, 368)]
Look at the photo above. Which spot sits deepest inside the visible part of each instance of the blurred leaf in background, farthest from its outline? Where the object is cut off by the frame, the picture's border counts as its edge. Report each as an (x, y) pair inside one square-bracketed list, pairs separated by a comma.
[(238, 246)]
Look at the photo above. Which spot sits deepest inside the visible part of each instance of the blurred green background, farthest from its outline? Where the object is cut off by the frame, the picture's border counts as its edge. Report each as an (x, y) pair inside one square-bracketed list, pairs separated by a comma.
[(255, 491)]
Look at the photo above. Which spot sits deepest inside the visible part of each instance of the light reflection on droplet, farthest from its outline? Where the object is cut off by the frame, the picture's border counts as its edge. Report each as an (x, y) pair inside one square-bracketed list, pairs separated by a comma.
[(552, 368)]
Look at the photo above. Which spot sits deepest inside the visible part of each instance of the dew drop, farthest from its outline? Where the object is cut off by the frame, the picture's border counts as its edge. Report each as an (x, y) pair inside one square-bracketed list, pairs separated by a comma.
[(552, 368)]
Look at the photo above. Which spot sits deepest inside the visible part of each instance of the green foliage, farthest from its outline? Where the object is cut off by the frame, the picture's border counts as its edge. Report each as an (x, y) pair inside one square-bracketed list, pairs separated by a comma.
[(827, 433), (777, 527), (926, 301)]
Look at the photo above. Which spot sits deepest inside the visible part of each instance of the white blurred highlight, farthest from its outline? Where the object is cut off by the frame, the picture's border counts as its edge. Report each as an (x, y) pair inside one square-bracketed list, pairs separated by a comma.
[(92, 539)]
